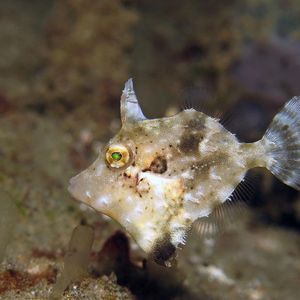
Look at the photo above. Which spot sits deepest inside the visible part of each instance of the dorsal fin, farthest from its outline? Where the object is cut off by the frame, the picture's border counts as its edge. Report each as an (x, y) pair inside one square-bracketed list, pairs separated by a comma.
[(227, 118), (205, 104), (130, 108), (197, 99), (224, 215)]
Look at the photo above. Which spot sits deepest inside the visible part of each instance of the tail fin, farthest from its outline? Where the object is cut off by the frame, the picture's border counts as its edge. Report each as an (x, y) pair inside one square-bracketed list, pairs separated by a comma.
[(282, 141)]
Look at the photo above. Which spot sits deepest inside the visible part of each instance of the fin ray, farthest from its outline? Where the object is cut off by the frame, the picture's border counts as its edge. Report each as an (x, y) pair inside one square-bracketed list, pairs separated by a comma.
[(282, 142), (223, 215)]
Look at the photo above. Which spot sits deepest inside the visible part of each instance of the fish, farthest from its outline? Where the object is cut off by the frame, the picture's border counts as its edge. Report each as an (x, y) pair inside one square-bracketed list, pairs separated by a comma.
[(157, 177)]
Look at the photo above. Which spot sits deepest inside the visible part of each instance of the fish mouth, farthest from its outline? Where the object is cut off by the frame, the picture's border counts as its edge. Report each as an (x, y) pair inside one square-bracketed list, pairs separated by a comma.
[(74, 188), (72, 184)]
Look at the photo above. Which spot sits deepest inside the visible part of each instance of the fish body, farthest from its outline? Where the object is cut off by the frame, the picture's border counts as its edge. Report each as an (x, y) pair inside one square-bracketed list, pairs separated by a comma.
[(157, 177)]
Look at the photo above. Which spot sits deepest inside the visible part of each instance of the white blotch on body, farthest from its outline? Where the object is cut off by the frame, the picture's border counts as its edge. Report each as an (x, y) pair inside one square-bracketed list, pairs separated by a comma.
[(138, 210), (178, 237), (200, 191), (187, 175), (214, 176), (224, 192), (128, 221), (191, 198), (206, 147), (205, 212), (102, 201)]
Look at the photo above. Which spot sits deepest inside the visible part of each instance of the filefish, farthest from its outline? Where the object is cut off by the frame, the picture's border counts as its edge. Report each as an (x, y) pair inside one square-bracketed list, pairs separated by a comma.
[(156, 177)]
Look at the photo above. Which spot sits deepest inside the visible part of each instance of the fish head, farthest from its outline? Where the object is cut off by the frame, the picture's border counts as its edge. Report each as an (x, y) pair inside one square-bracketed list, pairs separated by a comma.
[(133, 181)]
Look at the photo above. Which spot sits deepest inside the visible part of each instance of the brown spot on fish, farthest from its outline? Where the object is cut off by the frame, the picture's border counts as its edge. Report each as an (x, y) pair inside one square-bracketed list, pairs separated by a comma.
[(158, 165), (192, 135), (198, 123), (189, 143), (163, 251)]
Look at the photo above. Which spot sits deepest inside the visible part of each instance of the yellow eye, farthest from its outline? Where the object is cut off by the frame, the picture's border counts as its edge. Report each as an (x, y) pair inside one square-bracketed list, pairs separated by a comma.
[(117, 156)]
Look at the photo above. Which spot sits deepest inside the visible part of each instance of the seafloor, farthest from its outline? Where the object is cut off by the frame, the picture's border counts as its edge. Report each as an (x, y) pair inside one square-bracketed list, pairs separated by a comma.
[(62, 67)]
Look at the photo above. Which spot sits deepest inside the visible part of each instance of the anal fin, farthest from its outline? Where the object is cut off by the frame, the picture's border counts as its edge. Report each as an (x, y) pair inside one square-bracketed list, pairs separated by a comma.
[(226, 214)]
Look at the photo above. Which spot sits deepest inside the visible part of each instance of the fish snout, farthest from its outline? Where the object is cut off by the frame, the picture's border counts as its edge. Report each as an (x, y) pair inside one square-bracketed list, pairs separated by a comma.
[(76, 186)]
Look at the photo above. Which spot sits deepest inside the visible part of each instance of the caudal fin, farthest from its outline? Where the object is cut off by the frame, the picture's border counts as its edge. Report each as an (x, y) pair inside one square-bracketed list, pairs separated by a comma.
[(282, 142)]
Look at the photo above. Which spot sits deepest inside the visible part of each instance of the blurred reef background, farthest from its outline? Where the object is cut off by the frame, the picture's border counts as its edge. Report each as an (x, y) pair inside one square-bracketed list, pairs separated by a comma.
[(63, 64)]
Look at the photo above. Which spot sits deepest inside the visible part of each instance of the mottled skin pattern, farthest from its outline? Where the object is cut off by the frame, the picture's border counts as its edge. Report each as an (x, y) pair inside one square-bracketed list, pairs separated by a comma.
[(180, 169)]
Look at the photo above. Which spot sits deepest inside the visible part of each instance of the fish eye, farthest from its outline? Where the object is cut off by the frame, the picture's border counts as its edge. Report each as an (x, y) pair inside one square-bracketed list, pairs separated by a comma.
[(117, 156)]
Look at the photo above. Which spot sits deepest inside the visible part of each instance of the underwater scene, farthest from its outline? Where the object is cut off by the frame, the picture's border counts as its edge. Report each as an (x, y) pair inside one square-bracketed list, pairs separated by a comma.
[(150, 149)]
